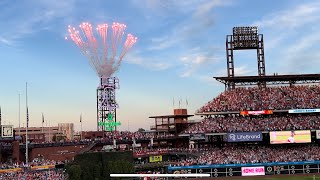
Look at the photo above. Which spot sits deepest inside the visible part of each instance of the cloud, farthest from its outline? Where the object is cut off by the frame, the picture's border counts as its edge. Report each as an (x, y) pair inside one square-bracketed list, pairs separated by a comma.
[(198, 19), (242, 71), (33, 16), (163, 43), (205, 8), (148, 63), (283, 25), (6, 41), (292, 37), (292, 17), (198, 58), (304, 43)]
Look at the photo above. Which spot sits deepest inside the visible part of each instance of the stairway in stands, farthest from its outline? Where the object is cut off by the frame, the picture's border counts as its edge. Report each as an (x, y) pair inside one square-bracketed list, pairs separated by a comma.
[(86, 149)]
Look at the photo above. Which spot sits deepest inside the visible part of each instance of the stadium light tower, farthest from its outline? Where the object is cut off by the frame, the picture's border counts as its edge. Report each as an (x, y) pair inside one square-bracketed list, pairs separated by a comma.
[(245, 38), (103, 57)]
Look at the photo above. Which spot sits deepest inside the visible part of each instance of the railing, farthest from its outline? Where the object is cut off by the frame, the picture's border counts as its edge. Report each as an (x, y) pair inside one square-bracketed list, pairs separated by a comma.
[(86, 149)]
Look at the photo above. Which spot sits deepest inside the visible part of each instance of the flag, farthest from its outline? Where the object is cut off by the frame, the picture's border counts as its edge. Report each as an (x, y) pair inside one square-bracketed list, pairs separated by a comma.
[(81, 118), (186, 101), (42, 118), (114, 143), (179, 103), (134, 142), (27, 117)]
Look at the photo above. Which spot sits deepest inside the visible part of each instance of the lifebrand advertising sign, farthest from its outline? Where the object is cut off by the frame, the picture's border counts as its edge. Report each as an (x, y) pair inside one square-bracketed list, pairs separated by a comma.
[(244, 136)]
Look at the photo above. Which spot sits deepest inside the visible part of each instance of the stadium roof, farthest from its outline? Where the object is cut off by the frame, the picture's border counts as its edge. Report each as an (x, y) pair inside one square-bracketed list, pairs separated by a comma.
[(172, 116), (271, 79)]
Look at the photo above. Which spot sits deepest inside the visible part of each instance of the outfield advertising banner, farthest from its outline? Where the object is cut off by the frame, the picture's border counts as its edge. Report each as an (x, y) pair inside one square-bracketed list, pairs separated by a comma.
[(10, 170), (42, 167), (256, 112), (287, 137), (244, 136), (318, 134), (304, 110), (253, 171), (155, 158), (194, 137)]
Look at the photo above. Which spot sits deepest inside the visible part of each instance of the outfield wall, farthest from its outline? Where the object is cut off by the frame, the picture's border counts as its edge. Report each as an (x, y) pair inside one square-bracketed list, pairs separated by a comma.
[(228, 170)]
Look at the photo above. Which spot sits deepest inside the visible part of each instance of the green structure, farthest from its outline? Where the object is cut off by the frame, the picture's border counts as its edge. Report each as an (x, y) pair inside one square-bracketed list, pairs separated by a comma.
[(109, 124)]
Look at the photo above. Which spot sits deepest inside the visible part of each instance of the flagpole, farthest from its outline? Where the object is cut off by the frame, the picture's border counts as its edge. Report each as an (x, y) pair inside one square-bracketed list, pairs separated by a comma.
[(19, 115), (27, 153), (81, 126), (186, 103), (49, 132), (42, 123), (173, 102), (128, 125)]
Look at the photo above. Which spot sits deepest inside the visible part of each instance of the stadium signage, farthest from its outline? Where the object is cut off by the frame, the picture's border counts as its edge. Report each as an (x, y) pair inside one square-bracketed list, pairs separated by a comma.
[(137, 154), (107, 147), (110, 124), (256, 112), (155, 158), (244, 136), (197, 137), (253, 171), (318, 134), (285, 137), (42, 167), (10, 170), (303, 110), (242, 165)]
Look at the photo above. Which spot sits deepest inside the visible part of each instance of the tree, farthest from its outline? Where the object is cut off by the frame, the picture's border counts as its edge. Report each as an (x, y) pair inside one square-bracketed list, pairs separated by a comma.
[(141, 130), (74, 172)]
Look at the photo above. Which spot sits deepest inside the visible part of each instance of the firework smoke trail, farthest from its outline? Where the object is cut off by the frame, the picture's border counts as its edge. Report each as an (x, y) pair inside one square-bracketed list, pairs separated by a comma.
[(97, 49)]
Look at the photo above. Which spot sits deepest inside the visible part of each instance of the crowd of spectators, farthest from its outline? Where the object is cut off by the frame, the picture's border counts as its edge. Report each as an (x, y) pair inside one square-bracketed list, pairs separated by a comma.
[(254, 154), (108, 137), (127, 135), (35, 162), (255, 98), (23, 171), (37, 175), (233, 123), (169, 150)]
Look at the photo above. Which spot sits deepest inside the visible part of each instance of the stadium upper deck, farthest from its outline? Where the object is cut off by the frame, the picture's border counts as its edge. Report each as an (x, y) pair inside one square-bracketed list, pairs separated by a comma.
[(269, 98)]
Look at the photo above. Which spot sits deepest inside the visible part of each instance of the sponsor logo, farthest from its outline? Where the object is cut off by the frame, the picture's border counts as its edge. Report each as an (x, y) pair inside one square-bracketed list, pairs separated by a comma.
[(256, 112), (318, 134), (232, 137), (304, 110), (244, 136), (252, 171)]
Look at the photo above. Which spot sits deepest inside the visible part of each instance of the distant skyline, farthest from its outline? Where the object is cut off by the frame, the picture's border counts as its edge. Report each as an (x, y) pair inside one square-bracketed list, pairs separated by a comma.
[(181, 46)]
